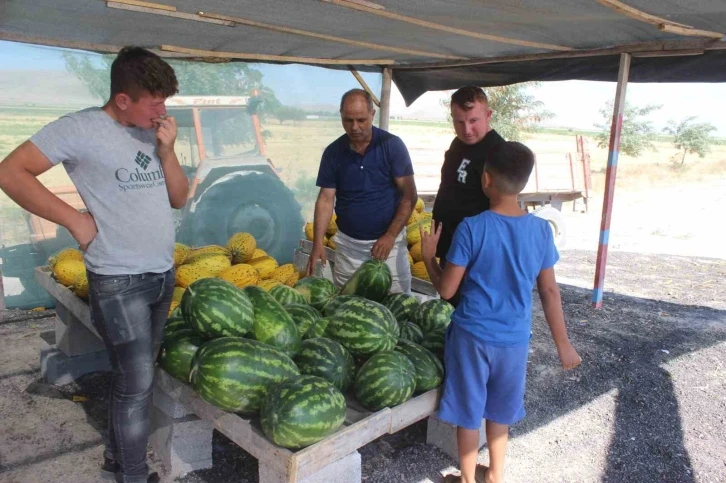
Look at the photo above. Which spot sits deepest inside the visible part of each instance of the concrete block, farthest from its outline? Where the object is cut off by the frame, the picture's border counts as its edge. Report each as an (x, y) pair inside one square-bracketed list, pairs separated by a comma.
[(57, 368), (183, 444), (73, 338), (345, 470), (443, 436), (168, 405)]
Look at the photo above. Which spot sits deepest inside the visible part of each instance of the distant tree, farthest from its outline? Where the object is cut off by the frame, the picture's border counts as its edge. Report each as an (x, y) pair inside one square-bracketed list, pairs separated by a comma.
[(637, 133), (691, 138), (289, 113)]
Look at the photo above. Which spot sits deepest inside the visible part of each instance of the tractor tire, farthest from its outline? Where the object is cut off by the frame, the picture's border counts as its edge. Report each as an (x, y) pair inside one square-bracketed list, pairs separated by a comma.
[(557, 223), (255, 203)]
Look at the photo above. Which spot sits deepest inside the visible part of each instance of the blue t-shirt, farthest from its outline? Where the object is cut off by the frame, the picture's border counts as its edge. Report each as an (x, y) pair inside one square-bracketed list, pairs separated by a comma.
[(366, 196), (503, 256)]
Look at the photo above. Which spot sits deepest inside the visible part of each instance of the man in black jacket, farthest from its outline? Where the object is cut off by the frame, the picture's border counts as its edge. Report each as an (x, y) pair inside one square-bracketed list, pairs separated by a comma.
[(460, 194)]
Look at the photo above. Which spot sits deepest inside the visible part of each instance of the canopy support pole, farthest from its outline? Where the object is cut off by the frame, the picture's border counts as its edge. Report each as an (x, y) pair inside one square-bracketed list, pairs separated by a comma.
[(385, 99)]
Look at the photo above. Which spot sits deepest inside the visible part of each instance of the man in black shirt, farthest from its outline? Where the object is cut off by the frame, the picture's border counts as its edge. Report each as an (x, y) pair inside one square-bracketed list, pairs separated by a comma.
[(460, 194)]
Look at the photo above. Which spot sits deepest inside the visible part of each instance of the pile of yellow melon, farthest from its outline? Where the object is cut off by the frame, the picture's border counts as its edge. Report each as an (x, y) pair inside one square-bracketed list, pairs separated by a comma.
[(328, 238), (240, 262), (69, 270)]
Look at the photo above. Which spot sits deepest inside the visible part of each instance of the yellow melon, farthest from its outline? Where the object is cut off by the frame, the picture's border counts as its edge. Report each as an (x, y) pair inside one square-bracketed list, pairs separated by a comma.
[(268, 283), (258, 253), (181, 251), (332, 244), (418, 270), (212, 262), (201, 252), (410, 260), (283, 272), (413, 234), (178, 294), (415, 252), (265, 266), (332, 226), (240, 275), (309, 231), (290, 282), (242, 247), (80, 286), (414, 218), (174, 304), (420, 205), (188, 274), (67, 271), (65, 254), (425, 216)]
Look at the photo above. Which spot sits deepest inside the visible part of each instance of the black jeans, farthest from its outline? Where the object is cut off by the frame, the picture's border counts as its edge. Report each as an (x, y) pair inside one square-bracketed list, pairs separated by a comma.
[(129, 312)]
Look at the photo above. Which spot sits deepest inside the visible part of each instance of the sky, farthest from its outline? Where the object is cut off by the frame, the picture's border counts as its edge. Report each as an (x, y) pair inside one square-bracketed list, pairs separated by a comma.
[(576, 104)]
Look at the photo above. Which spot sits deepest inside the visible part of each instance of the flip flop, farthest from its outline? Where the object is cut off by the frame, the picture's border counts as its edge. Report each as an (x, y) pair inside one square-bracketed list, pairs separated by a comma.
[(479, 475)]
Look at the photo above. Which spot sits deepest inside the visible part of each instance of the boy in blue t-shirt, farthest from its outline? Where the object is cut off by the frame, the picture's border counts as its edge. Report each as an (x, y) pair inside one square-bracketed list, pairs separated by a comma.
[(496, 257)]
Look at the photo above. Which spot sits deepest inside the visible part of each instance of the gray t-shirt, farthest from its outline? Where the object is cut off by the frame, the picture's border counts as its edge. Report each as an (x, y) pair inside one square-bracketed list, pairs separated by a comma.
[(118, 174)]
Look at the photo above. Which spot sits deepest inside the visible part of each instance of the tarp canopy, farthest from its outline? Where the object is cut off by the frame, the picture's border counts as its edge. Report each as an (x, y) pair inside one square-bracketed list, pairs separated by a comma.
[(429, 44)]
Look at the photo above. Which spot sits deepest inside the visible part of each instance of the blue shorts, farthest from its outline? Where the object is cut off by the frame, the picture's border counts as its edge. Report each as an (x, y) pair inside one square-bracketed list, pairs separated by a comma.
[(483, 381)]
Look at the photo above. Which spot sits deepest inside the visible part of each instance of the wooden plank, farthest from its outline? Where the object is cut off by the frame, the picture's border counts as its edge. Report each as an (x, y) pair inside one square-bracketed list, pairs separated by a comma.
[(365, 86), (134, 7), (139, 3), (444, 28), (632, 12), (385, 99), (340, 444), (423, 286), (273, 58), (414, 410), (2, 291), (331, 38), (674, 29), (62, 294)]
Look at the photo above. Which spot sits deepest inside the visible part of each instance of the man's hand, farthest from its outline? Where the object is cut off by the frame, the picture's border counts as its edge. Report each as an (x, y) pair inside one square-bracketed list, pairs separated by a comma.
[(318, 253), (429, 241), (165, 133), (569, 356), (383, 247), (84, 230)]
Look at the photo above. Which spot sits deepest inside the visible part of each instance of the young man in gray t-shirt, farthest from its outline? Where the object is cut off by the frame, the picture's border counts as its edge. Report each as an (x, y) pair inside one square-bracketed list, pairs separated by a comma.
[(121, 159)]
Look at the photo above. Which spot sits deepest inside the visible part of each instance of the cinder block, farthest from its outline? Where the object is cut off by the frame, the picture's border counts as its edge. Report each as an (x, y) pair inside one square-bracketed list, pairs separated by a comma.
[(168, 405), (345, 470), (183, 444), (57, 368), (443, 436), (74, 339)]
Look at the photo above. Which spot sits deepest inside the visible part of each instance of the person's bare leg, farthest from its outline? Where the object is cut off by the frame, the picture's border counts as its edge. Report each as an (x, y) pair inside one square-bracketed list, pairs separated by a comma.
[(497, 436), (468, 441)]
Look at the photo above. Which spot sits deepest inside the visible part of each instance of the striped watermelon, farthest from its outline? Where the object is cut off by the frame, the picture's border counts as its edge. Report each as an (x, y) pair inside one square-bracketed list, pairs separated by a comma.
[(174, 324), (318, 328), (387, 379), (287, 295), (411, 332), (328, 359), (177, 353), (302, 411), (235, 374), (303, 315), (364, 327), (215, 308), (433, 314), (372, 280), (317, 290), (401, 305), (273, 325), (429, 370), (434, 342), (336, 302)]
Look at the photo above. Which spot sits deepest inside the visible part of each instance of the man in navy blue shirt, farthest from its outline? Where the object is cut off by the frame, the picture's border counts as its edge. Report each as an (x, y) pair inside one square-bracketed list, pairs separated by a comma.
[(367, 176)]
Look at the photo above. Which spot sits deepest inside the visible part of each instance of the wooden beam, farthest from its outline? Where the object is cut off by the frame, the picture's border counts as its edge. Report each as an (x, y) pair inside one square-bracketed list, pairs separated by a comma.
[(444, 28), (652, 47), (133, 7), (138, 3), (385, 114), (331, 38), (613, 154), (364, 85), (632, 12), (272, 58), (669, 53), (674, 29)]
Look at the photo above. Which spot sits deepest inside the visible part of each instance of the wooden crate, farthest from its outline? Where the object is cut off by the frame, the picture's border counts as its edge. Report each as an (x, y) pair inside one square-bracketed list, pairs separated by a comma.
[(360, 428)]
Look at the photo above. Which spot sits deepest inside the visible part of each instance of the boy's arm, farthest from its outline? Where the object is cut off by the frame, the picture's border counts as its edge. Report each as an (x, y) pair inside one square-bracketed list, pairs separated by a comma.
[(549, 293), (445, 281)]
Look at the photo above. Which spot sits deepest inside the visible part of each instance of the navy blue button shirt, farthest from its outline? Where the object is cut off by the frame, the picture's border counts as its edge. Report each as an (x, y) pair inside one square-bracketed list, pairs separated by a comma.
[(366, 196)]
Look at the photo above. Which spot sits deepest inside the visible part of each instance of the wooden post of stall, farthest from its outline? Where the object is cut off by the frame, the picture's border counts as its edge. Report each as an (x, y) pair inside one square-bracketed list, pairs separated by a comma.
[(613, 153), (2, 291), (385, 99)]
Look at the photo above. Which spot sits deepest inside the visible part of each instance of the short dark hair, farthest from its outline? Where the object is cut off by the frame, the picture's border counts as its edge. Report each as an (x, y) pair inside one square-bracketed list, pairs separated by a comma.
[(136, 71), (467, 96), (357, 92), (510, 164)]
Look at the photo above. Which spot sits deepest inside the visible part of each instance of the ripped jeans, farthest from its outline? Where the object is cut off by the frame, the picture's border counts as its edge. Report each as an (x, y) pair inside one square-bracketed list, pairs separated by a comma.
[(129, 312)]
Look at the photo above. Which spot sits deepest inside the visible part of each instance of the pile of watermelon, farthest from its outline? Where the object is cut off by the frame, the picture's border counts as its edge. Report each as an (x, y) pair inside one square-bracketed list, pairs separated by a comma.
[(289, 355)]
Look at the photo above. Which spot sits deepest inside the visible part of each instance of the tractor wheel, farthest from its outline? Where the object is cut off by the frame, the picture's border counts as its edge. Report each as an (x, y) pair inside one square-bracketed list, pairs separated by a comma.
[(557, 223), (259, 204)]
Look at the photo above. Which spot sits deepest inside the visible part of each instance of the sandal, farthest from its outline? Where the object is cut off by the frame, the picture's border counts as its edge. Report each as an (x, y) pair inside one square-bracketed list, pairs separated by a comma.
[(479, 475)]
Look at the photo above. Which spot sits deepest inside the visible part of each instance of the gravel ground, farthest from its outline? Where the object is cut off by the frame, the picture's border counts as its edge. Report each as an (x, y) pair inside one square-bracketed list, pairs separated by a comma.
[(648, 403)]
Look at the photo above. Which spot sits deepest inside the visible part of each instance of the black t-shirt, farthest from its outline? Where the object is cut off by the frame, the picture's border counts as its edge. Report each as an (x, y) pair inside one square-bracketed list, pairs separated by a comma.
[(460, 193)]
